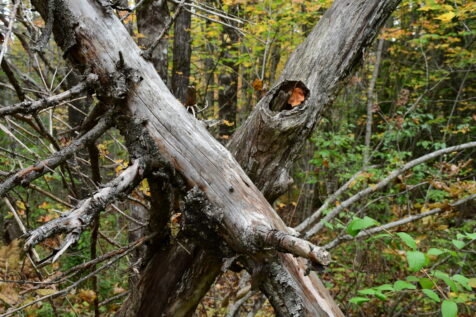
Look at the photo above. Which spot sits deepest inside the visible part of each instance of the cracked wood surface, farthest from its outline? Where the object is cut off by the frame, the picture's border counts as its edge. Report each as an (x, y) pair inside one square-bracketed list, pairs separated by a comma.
[(184, 143)]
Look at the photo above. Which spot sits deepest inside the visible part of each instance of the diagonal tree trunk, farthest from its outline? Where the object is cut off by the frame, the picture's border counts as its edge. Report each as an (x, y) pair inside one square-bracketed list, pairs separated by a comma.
[(86, 31)]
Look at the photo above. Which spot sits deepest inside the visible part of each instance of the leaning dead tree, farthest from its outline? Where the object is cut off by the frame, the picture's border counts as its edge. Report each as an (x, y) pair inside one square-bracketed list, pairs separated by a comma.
[(223, 206)]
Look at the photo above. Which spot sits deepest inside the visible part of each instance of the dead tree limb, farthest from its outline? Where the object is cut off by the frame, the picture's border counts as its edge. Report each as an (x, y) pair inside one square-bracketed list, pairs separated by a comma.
[(345, 204), (74, 222), (27, 175), (27, 107), (93, 38), (368, 232)]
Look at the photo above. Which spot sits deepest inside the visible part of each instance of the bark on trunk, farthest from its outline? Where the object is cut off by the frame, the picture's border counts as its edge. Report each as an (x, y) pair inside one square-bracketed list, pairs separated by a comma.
[(94, 38), (182, 52)]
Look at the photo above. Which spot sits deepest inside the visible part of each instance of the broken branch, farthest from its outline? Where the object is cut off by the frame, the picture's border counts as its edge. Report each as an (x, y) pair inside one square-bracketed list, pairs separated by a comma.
[(77, 220), (393, 224)]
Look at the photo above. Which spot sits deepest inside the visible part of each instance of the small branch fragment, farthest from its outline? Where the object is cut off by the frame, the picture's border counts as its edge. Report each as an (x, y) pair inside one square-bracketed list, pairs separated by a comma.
[(77, 220), (27, 107), (286, 242)]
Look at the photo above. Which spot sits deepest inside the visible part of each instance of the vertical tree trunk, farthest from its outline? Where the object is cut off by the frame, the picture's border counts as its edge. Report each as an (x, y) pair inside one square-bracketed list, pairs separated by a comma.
[(152, 17), (182, 51), (228, 82)]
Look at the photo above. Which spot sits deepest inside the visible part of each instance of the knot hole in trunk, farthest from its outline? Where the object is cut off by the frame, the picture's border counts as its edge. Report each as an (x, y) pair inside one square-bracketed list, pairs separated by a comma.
[(289, 95)]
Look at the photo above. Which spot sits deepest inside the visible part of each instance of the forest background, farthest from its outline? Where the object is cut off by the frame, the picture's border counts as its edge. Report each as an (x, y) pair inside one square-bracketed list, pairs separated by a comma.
[(414, 94)]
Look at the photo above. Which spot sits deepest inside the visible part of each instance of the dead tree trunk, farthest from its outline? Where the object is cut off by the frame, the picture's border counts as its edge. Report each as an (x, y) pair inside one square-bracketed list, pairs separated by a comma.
[(93, 38)]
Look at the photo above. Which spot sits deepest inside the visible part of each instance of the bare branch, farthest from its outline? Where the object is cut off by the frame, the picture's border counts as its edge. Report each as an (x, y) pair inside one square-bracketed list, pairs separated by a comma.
[(27, 107), (385, 227), (77, 220), (27, 175), (384, 183), (303, 226)]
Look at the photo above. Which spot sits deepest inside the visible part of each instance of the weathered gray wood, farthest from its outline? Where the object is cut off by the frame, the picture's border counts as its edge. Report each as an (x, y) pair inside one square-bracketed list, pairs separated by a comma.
[(192, 151), (93, 38)]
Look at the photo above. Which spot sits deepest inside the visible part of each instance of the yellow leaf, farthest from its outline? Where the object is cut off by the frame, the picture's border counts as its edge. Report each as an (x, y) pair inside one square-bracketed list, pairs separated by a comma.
[(45, 291), (446, 17), (87, 295), (472, 282), (228, 123), (20, 204)]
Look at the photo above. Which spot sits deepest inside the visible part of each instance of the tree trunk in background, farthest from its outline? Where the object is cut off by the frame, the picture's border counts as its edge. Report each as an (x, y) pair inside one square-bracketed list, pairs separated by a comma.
[(228, 82), (210, 66), (275, 57), (320, 64), (152, 17), (182, 52)]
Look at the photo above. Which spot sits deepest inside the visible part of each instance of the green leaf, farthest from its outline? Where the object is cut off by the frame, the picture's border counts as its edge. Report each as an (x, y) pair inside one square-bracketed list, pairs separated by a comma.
[(385, 287), (435, 252), (426, 283), (367, 291), (412, 278), (431, 294), (359, 300), (463, 280), (381, 296), (416, 260), (471, 235), (458, 244), (401, 285), (358, 224), (409, 241), (449, 309)]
